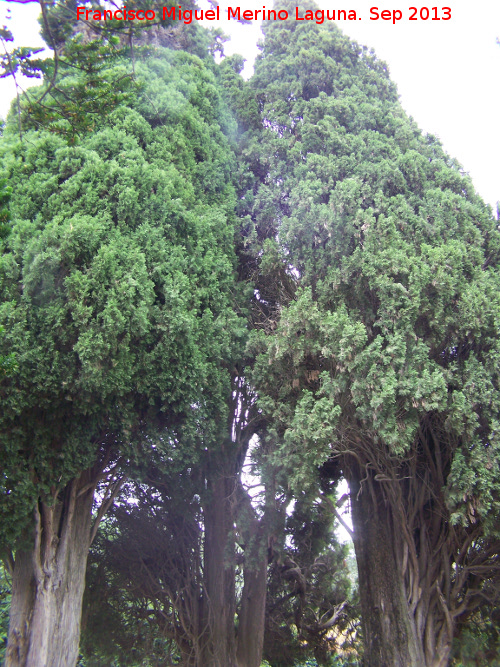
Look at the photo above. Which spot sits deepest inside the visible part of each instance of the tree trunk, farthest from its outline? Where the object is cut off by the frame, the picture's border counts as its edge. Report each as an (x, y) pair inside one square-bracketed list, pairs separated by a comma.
[(219, 563), (252, 614), (396, 622), (49, 580)]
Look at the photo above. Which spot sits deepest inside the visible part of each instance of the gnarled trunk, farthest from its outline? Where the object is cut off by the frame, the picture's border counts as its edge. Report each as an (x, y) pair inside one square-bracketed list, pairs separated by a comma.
[(405, 617), (49, 579), (48, 584), (389, 636)]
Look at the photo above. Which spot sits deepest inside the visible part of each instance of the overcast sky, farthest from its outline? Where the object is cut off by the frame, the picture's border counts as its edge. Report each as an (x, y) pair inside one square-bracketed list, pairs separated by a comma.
[(447, 72)]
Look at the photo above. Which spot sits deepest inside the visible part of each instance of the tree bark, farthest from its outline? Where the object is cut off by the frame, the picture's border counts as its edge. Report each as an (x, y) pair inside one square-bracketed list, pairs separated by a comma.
[(402, 625), (49, 580), (389, 640), (219, 565), (252, 613), (223, 648)]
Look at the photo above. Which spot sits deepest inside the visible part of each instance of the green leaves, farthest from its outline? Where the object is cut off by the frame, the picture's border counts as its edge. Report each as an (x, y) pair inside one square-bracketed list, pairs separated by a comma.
[(117, 283), (5, 195), (388, 245), (93, 79), (19, 60)]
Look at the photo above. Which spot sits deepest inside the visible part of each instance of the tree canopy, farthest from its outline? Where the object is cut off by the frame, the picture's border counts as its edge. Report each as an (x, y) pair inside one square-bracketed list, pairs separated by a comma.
[(202, 276), (379, 345), (117, 296), (123, 246)]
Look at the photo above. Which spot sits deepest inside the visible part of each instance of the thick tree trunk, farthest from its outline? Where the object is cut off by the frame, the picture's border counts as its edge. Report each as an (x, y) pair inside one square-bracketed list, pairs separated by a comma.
[(396, 608), (219, 562), (222, 647), (252, 613), (49, 580), (23, 597), (389, 640)]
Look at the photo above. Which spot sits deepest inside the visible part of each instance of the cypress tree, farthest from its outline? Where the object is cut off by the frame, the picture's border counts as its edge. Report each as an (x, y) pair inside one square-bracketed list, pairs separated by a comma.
[(376, 314), (116, 295), (377, 274)]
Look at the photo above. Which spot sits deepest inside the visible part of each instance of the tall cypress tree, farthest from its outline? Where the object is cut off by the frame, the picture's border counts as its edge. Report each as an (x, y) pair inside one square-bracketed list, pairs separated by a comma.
[(117, 295), (377, 269)]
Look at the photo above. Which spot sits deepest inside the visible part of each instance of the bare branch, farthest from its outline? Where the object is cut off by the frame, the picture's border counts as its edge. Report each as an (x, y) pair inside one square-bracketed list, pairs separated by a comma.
[(113, 490), (338, 515)]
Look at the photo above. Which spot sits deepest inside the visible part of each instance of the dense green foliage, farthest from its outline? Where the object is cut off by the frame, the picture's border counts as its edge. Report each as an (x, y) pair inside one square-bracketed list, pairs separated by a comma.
[(5, 195), (393, 255), (117, 286), (93, 69), (373, 355), (378, 270), (7, 361)]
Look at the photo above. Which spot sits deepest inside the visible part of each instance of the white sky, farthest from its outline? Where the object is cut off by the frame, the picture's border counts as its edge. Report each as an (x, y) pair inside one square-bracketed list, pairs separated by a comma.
[(447, 72)]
